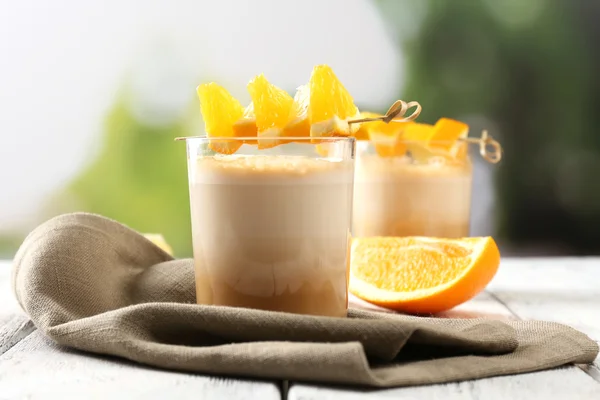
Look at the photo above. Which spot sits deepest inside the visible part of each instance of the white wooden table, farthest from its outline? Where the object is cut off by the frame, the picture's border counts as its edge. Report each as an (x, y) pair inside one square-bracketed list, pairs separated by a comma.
[(565, 290)]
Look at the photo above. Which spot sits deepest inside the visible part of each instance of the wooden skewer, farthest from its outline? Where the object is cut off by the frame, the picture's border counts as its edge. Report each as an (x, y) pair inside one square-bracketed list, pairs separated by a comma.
[(489, 149), (395, 113)]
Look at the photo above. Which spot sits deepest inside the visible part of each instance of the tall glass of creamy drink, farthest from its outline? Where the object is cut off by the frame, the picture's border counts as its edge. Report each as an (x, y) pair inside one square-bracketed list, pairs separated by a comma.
[(271, 226), (413, 193)]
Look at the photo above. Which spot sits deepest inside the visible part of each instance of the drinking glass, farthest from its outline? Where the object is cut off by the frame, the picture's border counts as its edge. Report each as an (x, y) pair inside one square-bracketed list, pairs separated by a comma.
[(271, 226), (413, 194)]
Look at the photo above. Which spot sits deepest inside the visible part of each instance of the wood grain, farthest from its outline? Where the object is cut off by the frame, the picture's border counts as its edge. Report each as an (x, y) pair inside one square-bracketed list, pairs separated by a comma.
[(563, 383), (33, 367), (562, 290), (565, 290), (8, 303), (14, 324), (13, 329), (36, 368)]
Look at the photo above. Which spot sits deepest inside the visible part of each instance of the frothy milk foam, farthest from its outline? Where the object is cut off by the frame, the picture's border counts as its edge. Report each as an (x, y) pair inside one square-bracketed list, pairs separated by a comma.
[(394, 197), (272, 232)]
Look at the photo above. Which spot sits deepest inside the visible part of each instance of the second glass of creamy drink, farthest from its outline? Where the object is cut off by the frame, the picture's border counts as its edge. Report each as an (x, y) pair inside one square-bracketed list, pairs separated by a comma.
[(411, 185), (271, 227)]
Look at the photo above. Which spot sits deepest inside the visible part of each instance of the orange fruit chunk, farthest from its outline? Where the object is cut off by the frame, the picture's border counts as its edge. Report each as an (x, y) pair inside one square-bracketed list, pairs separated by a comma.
[(220, 111), (446, 132), (387, 138), (298, 124), (363, 133), (159, 241), (445, 141), (246, 126), (460, 151), (421, 275), (330, 105), (272, 107), (418, 132), (440, 140), (277, 114), (388, 146)]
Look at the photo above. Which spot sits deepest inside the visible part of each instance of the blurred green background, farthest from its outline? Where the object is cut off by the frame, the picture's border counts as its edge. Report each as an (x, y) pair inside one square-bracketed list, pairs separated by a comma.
[(527, 71)]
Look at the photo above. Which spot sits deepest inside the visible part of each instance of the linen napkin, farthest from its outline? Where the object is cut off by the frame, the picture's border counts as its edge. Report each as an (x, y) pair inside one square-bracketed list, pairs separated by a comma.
[(93, 284)]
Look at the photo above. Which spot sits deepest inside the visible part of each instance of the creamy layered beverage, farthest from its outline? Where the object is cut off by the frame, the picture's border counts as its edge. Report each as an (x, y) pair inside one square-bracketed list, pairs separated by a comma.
[(272, 232), (271, 190), (395, 196), (274, 194), (413, 179)]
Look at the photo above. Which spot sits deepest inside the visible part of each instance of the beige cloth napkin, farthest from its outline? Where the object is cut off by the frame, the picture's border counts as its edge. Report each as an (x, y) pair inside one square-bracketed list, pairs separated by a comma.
[(93, 284)]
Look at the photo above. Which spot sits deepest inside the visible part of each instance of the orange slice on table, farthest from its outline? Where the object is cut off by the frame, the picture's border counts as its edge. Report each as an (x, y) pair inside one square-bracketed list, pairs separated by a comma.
[(277, 114), (421, 275), (330, 106), (223, 117)]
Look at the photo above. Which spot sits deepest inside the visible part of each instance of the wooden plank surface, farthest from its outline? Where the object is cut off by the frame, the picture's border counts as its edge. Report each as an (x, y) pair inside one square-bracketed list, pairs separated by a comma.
[(37, 368), (565, 290), (14, 324), (562, 290), (13, 329), (8, 303), (560, 384), (33, 367)]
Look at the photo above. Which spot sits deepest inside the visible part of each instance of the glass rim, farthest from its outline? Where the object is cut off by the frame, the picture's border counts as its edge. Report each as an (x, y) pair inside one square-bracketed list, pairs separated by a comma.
[(320, 138), (254, 138), (420, 141)]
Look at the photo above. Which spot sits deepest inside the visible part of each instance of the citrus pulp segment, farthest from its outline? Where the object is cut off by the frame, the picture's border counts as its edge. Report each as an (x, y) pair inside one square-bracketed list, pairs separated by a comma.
[(421, 274), (220, 111), (330, 105), (272, 108)]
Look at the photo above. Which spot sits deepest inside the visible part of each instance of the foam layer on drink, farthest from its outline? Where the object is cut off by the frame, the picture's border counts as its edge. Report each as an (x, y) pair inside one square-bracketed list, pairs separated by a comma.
[(395, 197), (272, 232), (271, 170)]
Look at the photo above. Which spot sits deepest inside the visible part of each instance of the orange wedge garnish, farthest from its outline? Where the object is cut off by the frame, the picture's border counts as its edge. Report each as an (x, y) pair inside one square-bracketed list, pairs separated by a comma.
[(416, 137), (331, 106), (246, 126), (446, 132), (440, 140), (445, 139), (272, 107), (221, 112), (277, 114), (421, 275), (418, 132), (387, 138), (298, 124), (363, 132)]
